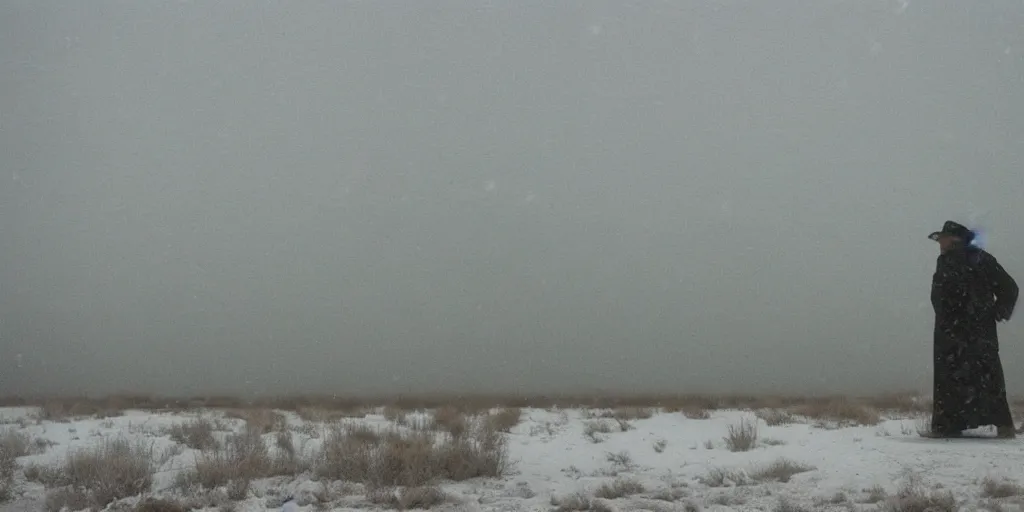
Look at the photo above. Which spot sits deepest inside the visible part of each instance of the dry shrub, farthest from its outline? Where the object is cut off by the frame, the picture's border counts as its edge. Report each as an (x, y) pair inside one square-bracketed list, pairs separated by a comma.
[(110, 471), (727, 499), (573, 502), (316, 414), (659, 445), (838, 498), (394, 415), (841, 412), (451, 420), (591, 429), (621, 461), (7, 466), (780, 471), (244, 457), (196, 434), (992, 488), (54, 410), (904, 403), (875, 494), (264, 421), (914, 497), (49, 476), (412, 459), (785, 505), (361, 432), (696, 413), (161, 505), (631, 413), (505, 419), (619, 488), (742, 437), (775, 417), (13, 444), (66, 498), (721, 477), (408, 498), (670, 494)]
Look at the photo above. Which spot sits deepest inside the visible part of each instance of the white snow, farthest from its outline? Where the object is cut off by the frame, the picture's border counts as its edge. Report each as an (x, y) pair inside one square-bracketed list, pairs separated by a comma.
[(552, 456)]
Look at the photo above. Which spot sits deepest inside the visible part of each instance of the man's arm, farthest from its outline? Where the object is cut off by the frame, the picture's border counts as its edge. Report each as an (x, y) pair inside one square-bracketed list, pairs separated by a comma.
[(1005, 289)]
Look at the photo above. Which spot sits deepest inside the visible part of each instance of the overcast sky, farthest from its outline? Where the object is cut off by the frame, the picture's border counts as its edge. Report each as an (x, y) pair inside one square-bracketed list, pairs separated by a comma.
[(371, 197)]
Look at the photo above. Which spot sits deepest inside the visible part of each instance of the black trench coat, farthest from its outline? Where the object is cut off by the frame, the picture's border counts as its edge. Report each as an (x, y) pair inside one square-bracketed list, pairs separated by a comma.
[(970, 293)]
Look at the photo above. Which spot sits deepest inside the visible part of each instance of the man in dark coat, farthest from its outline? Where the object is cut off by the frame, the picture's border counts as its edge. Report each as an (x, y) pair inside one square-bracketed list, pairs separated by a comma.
[(970, 293)]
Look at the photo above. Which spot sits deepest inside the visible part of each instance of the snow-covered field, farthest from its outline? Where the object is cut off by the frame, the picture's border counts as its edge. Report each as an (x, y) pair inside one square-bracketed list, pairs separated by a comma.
[(569, 457)]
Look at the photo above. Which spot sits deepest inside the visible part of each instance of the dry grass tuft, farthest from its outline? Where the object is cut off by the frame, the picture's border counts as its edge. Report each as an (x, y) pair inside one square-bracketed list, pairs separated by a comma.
[(780, 471), (161, 505), (452, 420), (742, 437), (578, 502), (66, 498), (659, 445), (408, 498), (505, 419), (265, 421), (992, 488), (696, 413), (112, 470), (775, 417), (412, 459), (721, 477), (620, 461), (243, 458), (13, 444), (840, 412), (619, 488), (631, 413), (394, 415), (785, 505), (593, 429), (50, 476), (196, 434), (914, 497), (875, 494)]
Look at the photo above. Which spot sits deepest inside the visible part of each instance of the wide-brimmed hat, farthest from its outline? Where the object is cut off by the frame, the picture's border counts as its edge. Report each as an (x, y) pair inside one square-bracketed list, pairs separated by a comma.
[(955, 229)]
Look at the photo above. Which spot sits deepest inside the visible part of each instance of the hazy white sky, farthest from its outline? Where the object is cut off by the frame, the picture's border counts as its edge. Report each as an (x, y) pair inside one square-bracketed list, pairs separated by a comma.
[(275, 197)]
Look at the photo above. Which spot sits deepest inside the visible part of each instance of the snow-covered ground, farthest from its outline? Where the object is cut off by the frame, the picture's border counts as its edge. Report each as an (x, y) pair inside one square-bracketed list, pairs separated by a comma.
[(673, 457)]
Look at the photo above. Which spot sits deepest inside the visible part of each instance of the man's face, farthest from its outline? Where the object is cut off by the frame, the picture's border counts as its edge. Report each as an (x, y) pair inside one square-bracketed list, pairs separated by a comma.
[(947, 242)]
